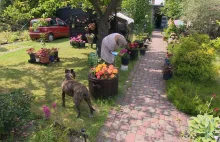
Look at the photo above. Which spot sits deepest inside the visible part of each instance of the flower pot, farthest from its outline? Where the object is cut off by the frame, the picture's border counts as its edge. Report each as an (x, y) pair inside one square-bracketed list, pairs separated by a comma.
[(103, 88), (45, 59), (133, 54), (81, 44), (142, 51), (52, 58), (32, 58), (140, 44), (37, 59), (56, 55), (77, 45), (124, 67), (124, 61), (167, 73)]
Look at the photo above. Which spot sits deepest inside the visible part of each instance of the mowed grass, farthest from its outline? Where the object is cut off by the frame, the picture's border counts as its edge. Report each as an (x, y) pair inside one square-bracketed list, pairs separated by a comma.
[(44, 82)]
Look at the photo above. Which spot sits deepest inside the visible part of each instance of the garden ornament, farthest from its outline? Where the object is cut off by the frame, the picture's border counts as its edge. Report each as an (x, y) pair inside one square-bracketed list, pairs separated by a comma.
[(76, 90)]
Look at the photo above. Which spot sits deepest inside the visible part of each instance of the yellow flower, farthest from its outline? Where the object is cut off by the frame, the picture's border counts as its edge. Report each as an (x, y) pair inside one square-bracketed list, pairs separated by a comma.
[(97, 69)]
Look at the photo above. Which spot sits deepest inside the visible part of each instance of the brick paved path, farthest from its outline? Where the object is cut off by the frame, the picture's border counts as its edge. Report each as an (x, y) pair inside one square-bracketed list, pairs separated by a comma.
[(146, 115)]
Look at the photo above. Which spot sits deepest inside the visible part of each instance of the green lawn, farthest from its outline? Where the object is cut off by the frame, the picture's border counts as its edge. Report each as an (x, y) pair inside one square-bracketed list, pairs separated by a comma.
[(44, 82)]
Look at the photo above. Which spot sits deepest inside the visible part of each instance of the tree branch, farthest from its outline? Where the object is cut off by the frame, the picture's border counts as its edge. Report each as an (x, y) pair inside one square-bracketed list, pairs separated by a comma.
[(96, 7), (112, 5)]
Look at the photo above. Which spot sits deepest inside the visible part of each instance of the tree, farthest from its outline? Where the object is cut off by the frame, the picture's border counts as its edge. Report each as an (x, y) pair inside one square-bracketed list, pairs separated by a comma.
[(48, 7), (203, 16), (172, 8), (140, 11)]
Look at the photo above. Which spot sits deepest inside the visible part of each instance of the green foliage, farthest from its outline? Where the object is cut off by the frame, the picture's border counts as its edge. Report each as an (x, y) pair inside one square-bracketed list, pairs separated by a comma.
[(184, 95), (25, 36), (171, 29), (204, 127), (194, 58), (15, 110), (140, 11), (172, 8), (44, 135), (202, 15), (93, 59)]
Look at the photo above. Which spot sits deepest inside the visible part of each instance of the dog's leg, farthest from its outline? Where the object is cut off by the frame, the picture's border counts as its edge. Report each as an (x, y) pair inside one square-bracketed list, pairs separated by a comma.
[(77, 104), (88, 100), (63, 99)]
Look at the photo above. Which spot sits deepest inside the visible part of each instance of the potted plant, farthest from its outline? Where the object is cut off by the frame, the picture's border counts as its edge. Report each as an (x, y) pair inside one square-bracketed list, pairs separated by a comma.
[(55, 51), (43, 54), (103, 81), (142, 50), (125, 57), (133, 50), (31, 53), (82, 43)]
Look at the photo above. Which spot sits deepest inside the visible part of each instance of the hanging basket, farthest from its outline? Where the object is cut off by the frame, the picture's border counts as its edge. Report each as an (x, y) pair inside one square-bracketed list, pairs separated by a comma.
[(103, 88)]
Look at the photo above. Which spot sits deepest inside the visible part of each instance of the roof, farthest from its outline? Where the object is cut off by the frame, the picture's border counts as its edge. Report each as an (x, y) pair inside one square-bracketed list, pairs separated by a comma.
[(122, 16)]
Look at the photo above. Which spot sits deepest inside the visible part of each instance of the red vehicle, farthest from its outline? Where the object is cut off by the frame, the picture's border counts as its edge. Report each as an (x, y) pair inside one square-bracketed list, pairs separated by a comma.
[(53, 28)]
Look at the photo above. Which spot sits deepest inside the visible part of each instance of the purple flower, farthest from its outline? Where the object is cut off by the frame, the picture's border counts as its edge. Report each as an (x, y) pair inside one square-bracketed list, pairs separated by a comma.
[(54, 105), (46, 111)]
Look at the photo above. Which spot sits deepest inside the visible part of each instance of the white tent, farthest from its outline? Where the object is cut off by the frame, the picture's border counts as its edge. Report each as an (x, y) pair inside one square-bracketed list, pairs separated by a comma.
[(122, 16)]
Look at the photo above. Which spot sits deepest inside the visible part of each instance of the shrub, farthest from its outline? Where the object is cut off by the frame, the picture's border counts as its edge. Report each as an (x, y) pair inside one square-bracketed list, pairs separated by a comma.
[(192, 97), (25, 36), (15, 110), (194, 58), (184, 95)]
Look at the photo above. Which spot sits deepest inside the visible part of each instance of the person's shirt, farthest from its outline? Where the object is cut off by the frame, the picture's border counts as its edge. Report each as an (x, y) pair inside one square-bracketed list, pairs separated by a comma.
[(111, 43)]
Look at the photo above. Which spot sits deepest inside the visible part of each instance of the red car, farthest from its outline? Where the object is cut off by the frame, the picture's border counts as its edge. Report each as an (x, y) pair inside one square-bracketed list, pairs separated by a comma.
[(53, 28)]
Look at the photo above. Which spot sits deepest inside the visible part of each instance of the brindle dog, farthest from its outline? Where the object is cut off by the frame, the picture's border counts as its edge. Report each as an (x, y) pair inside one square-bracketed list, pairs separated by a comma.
[(76, 90)]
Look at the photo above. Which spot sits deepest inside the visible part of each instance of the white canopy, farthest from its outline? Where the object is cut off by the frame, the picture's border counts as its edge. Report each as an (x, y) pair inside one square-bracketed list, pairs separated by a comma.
[(128, 19)]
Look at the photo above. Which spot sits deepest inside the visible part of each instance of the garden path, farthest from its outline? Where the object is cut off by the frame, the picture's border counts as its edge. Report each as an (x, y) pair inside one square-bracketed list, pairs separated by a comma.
[(146, 115)]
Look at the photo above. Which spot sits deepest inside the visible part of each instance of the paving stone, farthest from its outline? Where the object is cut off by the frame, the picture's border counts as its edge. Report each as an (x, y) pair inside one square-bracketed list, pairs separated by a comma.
[(146, 115)]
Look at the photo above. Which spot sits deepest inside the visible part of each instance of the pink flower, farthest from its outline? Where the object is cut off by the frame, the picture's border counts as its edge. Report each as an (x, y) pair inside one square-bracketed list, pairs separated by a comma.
[(46, 111), (54, 105), (213, 95), (216, 109)]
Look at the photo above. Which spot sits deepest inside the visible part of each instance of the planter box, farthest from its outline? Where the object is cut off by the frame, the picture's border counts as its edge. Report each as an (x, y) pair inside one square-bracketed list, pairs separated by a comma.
[(103, 88)]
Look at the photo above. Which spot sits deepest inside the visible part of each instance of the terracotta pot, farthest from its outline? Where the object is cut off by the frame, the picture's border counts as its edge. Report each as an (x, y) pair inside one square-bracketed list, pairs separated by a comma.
[(45, 59)]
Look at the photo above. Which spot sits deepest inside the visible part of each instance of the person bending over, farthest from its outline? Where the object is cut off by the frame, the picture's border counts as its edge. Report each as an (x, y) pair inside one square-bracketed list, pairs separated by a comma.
[(109, 44)]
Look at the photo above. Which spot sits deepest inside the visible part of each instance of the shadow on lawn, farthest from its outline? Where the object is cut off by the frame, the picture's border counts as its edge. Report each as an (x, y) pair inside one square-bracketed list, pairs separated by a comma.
[(2, 49), (35, 78)]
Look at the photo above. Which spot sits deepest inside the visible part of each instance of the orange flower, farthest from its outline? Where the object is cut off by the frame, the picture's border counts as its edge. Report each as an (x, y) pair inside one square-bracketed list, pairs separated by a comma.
[(111, 67), (112, 76), (110, 71), (115, 71)]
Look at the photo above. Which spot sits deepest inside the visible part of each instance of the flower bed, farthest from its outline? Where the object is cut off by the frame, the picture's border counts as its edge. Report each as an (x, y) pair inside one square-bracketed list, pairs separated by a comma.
[(43, 56), (77, 42)]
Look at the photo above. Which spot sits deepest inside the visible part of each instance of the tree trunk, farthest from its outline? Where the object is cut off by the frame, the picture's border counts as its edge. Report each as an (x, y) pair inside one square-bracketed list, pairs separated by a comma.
[(103, 29)]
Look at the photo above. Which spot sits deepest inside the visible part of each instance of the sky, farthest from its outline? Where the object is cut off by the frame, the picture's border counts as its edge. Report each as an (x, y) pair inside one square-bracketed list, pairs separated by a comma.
[(158, 1)]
